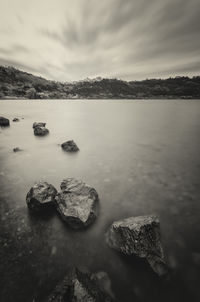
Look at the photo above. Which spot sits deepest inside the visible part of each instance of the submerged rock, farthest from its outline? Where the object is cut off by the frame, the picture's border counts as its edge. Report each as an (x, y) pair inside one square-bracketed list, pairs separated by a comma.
[(4, 121), (40, 124), (15, 119), (16, 149), (40, 131), (79, 286), (139, 236), (104, 282), (77, 203), (70, 146), (41, 196)]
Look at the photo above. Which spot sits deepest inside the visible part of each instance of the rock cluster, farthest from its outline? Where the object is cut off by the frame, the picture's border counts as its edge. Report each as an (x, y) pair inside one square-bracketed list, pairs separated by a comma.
[(4, 121), (81, 286), (40, 129), (70, 146), (77, 203)]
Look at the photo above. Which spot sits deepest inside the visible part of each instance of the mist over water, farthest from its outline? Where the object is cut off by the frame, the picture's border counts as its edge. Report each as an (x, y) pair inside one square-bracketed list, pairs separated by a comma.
[(142, 157)]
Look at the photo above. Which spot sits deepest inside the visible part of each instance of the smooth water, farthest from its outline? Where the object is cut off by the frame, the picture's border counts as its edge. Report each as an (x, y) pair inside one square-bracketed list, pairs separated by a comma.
[(141, 156)]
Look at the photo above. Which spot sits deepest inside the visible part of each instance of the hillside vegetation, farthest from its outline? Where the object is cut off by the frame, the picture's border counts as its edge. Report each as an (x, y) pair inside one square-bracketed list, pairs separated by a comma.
[(18, 84)]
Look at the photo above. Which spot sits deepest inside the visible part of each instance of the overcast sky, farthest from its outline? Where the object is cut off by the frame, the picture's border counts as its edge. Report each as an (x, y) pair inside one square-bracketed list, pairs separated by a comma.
[(74, 39)]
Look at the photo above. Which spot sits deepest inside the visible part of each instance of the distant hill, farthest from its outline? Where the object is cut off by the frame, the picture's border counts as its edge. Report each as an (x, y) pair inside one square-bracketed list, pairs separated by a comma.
[(15, 83)]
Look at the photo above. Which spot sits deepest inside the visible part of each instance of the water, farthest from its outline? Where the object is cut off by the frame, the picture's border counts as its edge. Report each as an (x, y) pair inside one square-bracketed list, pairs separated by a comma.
[(141, 156)]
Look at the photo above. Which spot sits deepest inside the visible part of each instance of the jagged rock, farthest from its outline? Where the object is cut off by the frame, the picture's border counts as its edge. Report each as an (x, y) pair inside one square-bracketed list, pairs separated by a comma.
[(79, 286), (77, 203), (15, 119), (4, 121), (40, 124), (16, 149), (139, 236), (41, 196), (40, 131), (70, 146)]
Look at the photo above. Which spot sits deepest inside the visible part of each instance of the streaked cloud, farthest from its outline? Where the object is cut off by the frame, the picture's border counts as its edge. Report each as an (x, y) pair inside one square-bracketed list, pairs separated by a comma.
[(74, 39)]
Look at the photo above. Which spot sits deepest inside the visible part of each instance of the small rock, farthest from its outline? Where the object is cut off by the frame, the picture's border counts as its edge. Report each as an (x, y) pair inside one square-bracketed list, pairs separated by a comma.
[(79, 286), (41, 196), (40, 124), (77, 203), (16, 149), (40, 131), (139, 236), (4, 121), (70, 146), (15, 119)]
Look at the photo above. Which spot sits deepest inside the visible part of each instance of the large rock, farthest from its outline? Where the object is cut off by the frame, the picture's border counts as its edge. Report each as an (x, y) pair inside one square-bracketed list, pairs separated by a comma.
[(70, 146), (79, 286), (4, 121), (41, 196), (139, 236), (77, 203), (40, 131), (40, 124)]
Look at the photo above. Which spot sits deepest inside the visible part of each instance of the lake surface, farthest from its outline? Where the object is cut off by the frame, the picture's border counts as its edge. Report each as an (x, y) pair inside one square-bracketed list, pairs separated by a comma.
[(143, 157)]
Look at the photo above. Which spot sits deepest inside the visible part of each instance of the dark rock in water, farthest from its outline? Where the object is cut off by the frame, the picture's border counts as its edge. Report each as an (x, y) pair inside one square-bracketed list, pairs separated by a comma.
[(70, 146), (41, 196), (16, 149), (40, 131), (77, 203), (15, 119), (40, 124), (4, 121), (79, 286), (139, 236)]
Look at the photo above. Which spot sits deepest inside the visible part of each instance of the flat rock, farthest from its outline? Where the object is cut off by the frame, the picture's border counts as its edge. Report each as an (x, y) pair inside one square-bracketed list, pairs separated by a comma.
[(139, 236), (40, 124), (70, 146), (79, 286), (77, 203), (15, 119), (4, 121), (41, 196), (40, 131)]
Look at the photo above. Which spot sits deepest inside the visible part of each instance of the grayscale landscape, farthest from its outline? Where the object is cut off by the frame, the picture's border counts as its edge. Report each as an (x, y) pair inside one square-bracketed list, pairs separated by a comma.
[(99, 151)]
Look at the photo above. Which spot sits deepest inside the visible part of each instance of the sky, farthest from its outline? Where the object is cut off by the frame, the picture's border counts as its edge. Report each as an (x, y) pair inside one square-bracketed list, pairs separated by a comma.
[(70, 40)]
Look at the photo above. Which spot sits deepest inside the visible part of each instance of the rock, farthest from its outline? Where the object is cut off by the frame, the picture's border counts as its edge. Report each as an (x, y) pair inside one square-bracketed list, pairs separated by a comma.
[(16, 149), (70, 146), (40, 131), (77, 203), (41, 196), (40, 124), (79, 286), (139, 236), (15, 119), (4, 121)]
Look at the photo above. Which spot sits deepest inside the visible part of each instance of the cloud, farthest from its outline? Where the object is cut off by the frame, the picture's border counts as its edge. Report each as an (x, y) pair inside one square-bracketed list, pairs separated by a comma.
[(129, 39)]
